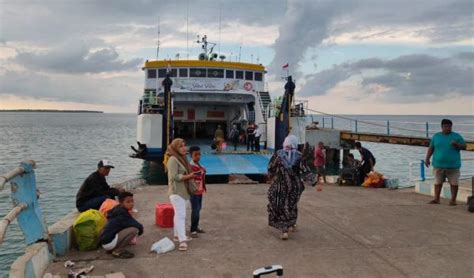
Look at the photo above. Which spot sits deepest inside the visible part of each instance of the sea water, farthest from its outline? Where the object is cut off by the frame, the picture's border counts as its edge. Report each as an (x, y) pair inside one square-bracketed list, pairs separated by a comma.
[(67, 147)]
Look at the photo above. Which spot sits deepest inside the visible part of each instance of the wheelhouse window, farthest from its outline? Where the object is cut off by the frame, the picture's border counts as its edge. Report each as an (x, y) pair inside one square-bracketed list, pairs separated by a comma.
[(239, 74), (174, 73), (151, 73), (183, 72), (249, 75), (197, 72), (215, 73), (258, 76), (229, 74), (161, 73)]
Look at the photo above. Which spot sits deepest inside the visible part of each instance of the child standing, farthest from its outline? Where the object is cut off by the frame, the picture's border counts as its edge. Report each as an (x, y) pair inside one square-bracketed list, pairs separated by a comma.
[(320, 163), (121, 228), (196, 198)]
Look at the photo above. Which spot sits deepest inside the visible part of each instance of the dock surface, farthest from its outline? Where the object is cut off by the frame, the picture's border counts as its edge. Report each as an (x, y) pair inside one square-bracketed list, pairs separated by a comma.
[(342, 232)]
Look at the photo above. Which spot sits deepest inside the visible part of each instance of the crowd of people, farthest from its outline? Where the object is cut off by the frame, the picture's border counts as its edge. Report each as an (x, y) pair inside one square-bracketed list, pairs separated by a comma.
[(288, 172)]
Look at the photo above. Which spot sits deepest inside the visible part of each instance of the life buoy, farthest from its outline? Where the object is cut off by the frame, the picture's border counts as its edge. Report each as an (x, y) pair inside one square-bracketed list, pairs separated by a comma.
[(248, 86)]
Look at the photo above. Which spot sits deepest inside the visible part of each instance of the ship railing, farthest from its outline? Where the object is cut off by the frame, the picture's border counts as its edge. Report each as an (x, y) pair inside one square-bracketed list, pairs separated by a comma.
[(419, 173), (387, 127), (26, 208)]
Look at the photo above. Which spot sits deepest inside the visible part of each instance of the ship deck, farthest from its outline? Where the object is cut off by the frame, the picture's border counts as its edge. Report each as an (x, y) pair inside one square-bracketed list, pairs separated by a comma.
[(232, 162), (342, 232)]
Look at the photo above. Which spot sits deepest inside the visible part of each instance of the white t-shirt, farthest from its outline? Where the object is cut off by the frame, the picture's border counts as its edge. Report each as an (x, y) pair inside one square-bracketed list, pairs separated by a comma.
[(111, 245), (257, 132)]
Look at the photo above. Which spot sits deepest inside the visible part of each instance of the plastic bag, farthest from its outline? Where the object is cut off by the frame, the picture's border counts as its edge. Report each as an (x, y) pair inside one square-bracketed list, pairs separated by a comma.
[(374, 179), (87, 229), (391, 183), (162, 246)]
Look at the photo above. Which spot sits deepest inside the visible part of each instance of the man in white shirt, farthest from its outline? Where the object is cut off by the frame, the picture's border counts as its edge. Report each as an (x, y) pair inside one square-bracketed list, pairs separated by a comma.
[(257, 134)]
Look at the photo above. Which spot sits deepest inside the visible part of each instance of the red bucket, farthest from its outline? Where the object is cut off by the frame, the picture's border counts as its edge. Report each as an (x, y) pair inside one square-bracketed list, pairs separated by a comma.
[(164, 214)]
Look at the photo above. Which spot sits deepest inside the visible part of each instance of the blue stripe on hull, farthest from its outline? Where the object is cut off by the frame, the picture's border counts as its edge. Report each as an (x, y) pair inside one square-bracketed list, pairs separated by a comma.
[(155, 150)]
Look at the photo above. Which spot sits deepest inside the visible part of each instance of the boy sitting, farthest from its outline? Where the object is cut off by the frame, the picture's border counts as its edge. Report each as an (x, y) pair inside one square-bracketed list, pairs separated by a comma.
[(196, 199), (121, 228)]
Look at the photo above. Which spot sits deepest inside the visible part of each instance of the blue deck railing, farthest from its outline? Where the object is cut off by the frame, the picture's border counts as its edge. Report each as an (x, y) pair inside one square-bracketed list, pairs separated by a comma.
[(467, 170)]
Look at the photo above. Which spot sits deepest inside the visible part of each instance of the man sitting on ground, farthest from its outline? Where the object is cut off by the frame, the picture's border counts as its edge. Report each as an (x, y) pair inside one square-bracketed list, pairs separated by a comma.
[(95, 189), (352, 162), (121, 229)]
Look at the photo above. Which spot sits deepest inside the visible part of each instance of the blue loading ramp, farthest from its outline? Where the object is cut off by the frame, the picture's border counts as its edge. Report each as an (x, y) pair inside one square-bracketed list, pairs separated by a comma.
[(234, 163)]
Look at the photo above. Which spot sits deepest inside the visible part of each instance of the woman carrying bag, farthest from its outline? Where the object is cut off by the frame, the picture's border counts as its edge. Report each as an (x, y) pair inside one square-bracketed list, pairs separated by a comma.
[(180, 187)]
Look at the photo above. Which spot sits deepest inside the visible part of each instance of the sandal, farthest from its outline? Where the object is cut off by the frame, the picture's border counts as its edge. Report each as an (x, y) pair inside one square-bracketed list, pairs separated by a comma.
[(453, 203), (183, 246), (434, 202), (123, 254)]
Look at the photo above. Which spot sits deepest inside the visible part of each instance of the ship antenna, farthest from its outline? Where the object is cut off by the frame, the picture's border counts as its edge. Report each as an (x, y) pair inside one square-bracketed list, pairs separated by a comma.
[(187, 29), (220, 12), (240, 47), (158, 42)]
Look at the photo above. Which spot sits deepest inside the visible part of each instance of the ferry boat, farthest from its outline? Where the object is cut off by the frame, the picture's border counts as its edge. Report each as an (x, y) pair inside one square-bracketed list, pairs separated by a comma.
[(202, 95)]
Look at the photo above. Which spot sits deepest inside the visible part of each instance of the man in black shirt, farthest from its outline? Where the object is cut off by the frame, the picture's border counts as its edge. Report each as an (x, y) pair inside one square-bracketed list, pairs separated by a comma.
[(367, 160), (95, 189)]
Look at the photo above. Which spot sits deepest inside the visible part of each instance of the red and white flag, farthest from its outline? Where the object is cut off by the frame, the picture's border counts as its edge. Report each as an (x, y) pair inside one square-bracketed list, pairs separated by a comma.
[(285, 66)]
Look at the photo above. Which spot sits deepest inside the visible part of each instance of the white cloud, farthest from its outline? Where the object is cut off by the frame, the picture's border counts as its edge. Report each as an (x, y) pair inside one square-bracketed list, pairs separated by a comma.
[(405, 79), (76, 57), (349, 97), (100, 44)]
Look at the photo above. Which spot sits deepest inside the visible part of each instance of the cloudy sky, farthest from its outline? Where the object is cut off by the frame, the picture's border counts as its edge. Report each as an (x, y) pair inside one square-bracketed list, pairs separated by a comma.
[(351, 57)]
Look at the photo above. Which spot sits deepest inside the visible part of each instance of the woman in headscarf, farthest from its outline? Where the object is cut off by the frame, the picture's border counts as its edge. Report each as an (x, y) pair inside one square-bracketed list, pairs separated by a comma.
[(285, 171), (180, 177)]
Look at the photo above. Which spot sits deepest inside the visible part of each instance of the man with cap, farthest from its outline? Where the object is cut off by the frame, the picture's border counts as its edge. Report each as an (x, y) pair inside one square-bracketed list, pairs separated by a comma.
[(95, 189)]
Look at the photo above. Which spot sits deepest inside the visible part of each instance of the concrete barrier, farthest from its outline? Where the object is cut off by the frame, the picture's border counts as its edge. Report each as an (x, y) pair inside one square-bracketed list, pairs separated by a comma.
[(61, 233), (130, 184), (33, 263), (427, 188)]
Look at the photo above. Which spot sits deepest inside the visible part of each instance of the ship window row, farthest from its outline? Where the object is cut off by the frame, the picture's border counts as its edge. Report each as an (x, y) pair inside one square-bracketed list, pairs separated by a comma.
[(205, 72)]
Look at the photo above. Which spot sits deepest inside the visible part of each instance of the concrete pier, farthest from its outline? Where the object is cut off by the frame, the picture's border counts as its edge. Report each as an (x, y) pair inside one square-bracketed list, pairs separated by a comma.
[(342, 232)]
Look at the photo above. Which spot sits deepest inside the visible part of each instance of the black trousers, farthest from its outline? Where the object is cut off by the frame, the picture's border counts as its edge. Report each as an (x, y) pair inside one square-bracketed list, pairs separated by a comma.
[(250, 143), (363, 171), (257, 144)]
